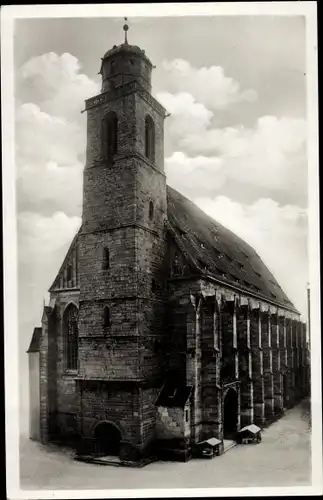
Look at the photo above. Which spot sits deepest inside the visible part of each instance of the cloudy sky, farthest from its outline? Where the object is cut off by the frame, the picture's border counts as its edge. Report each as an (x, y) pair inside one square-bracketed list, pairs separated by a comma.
[(235, 142)]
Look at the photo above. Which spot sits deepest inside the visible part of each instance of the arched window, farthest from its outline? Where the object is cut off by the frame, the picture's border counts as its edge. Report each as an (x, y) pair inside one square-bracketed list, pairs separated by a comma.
[(70, 326), (106, 259), (109, 136), (149, 138), (106, 317), (151, 210)]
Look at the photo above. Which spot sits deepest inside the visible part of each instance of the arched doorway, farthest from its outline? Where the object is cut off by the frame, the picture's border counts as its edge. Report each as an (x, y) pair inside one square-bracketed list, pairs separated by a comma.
[(107, 438), (230, 416)]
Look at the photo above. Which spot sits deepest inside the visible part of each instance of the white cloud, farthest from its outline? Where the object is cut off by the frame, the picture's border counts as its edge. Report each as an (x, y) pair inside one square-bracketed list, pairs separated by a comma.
[(270, 155), (198, 176), (187, 115), (208, 85), (56, 84), (51, 132), (278, 234), (43, 236), (42, 137), (48, 156)]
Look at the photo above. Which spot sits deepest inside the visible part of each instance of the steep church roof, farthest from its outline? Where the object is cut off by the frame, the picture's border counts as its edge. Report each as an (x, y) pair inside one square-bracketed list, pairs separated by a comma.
[(213, 251), (219, 253), (35, 341)]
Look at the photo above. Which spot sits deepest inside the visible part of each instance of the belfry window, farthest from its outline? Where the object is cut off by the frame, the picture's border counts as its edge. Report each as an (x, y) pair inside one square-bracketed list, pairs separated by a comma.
[(70, 328), (109, 136), (149, 138), (106, 317), (106, 259)]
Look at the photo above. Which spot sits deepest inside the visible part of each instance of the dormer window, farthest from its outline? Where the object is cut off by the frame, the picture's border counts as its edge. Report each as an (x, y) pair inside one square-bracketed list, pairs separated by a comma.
[(113, 66)]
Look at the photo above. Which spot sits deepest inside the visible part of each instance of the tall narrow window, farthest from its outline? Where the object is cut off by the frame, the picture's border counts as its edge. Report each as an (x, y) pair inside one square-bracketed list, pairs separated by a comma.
[(106, 317), (69, 272), (70, 327), (149, 138), (106, 259), (109, 136), (151, 210)]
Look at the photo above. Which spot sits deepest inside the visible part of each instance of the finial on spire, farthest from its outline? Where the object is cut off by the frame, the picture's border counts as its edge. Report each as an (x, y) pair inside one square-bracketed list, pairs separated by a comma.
[(125, 29)]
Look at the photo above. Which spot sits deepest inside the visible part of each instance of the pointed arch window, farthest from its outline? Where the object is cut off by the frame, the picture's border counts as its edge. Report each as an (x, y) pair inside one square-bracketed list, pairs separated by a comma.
[(109, 136), (149, 138), (106, 317), (70, 326)]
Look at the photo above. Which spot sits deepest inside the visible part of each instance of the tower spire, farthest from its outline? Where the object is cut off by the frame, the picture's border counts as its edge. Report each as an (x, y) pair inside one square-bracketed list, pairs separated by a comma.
[(125, 29)]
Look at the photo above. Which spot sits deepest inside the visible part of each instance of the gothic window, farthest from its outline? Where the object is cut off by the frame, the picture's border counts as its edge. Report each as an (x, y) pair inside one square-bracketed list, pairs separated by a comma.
[(106, 259), (106, 317), (69, 273), (71, 336), (151, 210), (149, 138), (109, 137)]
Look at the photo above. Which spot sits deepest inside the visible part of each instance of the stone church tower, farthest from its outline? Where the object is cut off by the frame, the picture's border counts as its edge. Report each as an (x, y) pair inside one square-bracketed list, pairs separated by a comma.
[(164, 329), (122, 241)]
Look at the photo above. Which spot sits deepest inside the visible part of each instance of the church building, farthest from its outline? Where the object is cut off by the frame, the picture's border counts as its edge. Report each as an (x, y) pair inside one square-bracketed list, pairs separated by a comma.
[(163, 327)]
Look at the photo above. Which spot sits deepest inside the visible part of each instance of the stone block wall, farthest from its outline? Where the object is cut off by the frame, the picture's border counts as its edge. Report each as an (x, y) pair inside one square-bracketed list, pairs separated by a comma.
[(117, 403)]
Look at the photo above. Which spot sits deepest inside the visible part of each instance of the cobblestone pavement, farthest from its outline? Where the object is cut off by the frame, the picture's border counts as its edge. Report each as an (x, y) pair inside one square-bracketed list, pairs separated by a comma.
[(281, 459)]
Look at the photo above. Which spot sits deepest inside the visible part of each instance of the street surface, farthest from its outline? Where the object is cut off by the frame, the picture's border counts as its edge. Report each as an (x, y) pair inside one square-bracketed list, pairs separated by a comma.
[(281, 459)]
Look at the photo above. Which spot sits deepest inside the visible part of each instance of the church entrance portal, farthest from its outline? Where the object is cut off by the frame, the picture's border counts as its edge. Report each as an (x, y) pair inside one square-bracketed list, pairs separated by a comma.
[(230, 414), (107, 439)]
